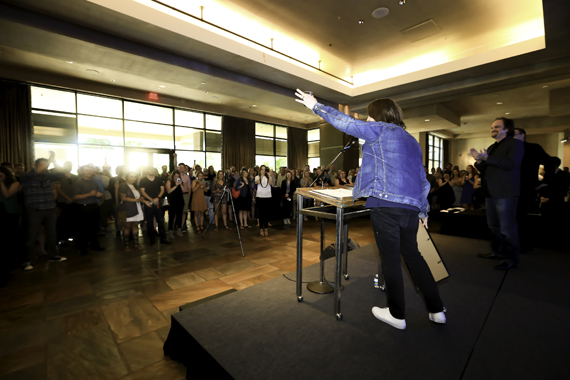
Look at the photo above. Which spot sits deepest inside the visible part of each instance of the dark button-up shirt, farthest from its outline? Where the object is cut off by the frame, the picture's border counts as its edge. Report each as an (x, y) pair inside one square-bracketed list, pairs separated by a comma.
[(83, 186), (38, 192)]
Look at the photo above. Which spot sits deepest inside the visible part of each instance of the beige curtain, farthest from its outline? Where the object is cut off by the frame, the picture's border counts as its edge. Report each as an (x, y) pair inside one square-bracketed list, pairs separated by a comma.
[(297, 148), (238, 142)]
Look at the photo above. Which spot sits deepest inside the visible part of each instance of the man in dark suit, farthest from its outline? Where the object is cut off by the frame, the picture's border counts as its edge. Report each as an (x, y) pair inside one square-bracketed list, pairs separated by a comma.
[(534, 156), (500, 167)]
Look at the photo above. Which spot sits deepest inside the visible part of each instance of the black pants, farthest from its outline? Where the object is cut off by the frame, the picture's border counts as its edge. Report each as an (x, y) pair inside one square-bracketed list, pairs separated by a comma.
[(104, 213), (66, 221), (150, 213), (395, 230), (87, 226), (174, 216), (263, 207)]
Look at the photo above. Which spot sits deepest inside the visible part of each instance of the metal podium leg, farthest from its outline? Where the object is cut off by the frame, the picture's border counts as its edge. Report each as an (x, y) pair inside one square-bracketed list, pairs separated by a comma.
[(338, 260), (299, 248), (321, 286), (345, 249)]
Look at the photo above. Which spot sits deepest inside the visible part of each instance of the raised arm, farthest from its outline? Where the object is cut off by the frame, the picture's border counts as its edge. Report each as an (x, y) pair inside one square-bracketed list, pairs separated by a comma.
[(369, 131)]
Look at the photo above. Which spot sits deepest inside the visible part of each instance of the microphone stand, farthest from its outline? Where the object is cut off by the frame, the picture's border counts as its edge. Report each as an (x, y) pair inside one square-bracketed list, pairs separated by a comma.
[(322, 286)]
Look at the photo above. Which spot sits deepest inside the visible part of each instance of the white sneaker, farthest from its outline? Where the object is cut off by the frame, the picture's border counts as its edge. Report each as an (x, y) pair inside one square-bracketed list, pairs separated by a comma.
[(437, 317), (170, 235), (28, 266), (179, 232), (384, 315), (288, 221)]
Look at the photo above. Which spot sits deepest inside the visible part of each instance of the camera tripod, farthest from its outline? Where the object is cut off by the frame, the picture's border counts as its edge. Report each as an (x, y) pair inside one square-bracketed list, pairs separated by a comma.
[(227, 191)]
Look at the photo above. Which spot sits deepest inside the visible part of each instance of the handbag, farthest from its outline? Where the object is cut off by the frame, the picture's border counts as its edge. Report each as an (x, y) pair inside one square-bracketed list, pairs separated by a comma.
[(235, 193)]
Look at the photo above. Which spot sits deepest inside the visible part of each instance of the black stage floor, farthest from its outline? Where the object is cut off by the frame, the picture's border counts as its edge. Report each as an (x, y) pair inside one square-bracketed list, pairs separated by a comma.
[(500, 325)]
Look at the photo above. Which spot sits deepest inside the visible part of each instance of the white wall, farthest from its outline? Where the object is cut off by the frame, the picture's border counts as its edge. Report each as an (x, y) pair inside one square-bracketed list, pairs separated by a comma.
[(459, 150)]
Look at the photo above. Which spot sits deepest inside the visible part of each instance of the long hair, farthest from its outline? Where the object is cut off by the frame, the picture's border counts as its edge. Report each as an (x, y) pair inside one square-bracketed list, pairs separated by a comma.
[(386, 110), (172, 181), (9, 176)]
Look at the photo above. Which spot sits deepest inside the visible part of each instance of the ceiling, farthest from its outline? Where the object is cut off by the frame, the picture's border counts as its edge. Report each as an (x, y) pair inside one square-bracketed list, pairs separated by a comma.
[(38, 38)]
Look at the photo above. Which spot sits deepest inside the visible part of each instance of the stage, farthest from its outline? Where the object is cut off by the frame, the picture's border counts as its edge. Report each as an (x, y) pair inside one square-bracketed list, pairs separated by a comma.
[(500, 325)]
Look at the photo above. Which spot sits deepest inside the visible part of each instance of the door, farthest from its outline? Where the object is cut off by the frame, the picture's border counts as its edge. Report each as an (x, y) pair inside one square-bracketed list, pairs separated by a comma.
[(135, 158)]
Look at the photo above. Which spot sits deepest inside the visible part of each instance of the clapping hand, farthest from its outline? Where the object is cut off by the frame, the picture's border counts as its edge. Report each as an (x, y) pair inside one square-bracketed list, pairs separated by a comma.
[(479, 156)]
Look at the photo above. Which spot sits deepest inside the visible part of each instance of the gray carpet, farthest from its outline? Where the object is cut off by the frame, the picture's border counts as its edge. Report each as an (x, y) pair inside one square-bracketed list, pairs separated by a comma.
[(500, 325)]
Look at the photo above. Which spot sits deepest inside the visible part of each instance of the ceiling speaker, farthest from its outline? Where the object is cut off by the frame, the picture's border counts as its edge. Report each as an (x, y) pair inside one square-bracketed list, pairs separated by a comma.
[(380, 12)]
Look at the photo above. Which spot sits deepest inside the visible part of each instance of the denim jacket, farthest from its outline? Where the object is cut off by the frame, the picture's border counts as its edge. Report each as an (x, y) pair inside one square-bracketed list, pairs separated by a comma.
[(392, 167)]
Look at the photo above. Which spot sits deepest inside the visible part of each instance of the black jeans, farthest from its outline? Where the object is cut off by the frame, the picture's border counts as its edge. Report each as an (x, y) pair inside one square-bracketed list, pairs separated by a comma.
[(150, 213), (395, 230), (88, 226)]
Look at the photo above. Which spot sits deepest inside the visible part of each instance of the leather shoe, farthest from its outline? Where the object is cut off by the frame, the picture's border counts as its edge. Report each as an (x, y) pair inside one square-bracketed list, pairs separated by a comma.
[(165, 242), (505, 265), (490, 256)]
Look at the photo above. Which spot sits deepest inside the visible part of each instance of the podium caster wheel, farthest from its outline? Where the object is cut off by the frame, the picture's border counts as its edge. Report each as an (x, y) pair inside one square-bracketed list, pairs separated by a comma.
[(300, 299), (339, 317), (346, 277)]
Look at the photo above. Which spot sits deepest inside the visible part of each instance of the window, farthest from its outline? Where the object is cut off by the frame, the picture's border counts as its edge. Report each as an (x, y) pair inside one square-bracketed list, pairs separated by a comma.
[(270, 145), (435, 152), (313, 140), (84, 128)]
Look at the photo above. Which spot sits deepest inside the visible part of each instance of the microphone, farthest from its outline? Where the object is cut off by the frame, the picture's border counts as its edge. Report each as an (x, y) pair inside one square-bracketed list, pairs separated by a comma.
[(351, 142)]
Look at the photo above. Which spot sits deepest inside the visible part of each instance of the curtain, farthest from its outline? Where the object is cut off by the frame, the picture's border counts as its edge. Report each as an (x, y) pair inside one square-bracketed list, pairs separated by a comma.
[(238, 142), (297, 148), (15, 124)]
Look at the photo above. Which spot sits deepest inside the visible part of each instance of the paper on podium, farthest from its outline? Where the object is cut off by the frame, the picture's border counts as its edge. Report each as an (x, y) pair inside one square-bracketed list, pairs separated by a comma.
[(334, 193)]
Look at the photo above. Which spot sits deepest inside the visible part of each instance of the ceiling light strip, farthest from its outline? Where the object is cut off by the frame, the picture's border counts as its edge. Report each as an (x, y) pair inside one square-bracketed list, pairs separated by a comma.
[(249, 40)]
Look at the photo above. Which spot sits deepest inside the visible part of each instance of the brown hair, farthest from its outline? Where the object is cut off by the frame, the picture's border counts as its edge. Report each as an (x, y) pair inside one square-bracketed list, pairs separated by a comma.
[(386, 110)]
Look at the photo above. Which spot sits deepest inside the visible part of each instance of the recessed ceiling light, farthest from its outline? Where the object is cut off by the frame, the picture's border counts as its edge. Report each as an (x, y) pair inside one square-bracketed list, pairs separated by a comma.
[(112, 80), (507, 113), (380, 12), (161, 86), (254, 105), (544, 86), (206, 92), (427, 120), (203, 82), (402, 2), (360, 22), (69, 61), (499, 103)]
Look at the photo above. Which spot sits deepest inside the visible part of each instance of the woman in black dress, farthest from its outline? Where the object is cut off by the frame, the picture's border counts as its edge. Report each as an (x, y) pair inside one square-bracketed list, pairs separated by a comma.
[(174, 189), (243, 202), (288, 188), (445, 194), (342, 180)]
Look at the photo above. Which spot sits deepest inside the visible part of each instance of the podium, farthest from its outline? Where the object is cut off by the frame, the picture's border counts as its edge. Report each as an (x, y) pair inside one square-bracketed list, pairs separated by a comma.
[(339, 209)]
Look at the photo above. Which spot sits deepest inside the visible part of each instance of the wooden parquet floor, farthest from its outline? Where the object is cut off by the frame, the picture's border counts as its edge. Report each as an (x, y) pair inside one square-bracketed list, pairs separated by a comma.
[(106, 315)]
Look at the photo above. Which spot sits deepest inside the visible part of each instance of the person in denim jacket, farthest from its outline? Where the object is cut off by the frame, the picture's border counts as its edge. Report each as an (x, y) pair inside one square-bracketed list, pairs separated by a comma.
[(393, 179)]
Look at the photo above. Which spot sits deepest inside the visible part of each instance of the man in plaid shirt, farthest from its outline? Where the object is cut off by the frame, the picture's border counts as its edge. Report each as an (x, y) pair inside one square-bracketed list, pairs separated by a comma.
[(39, 200)]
